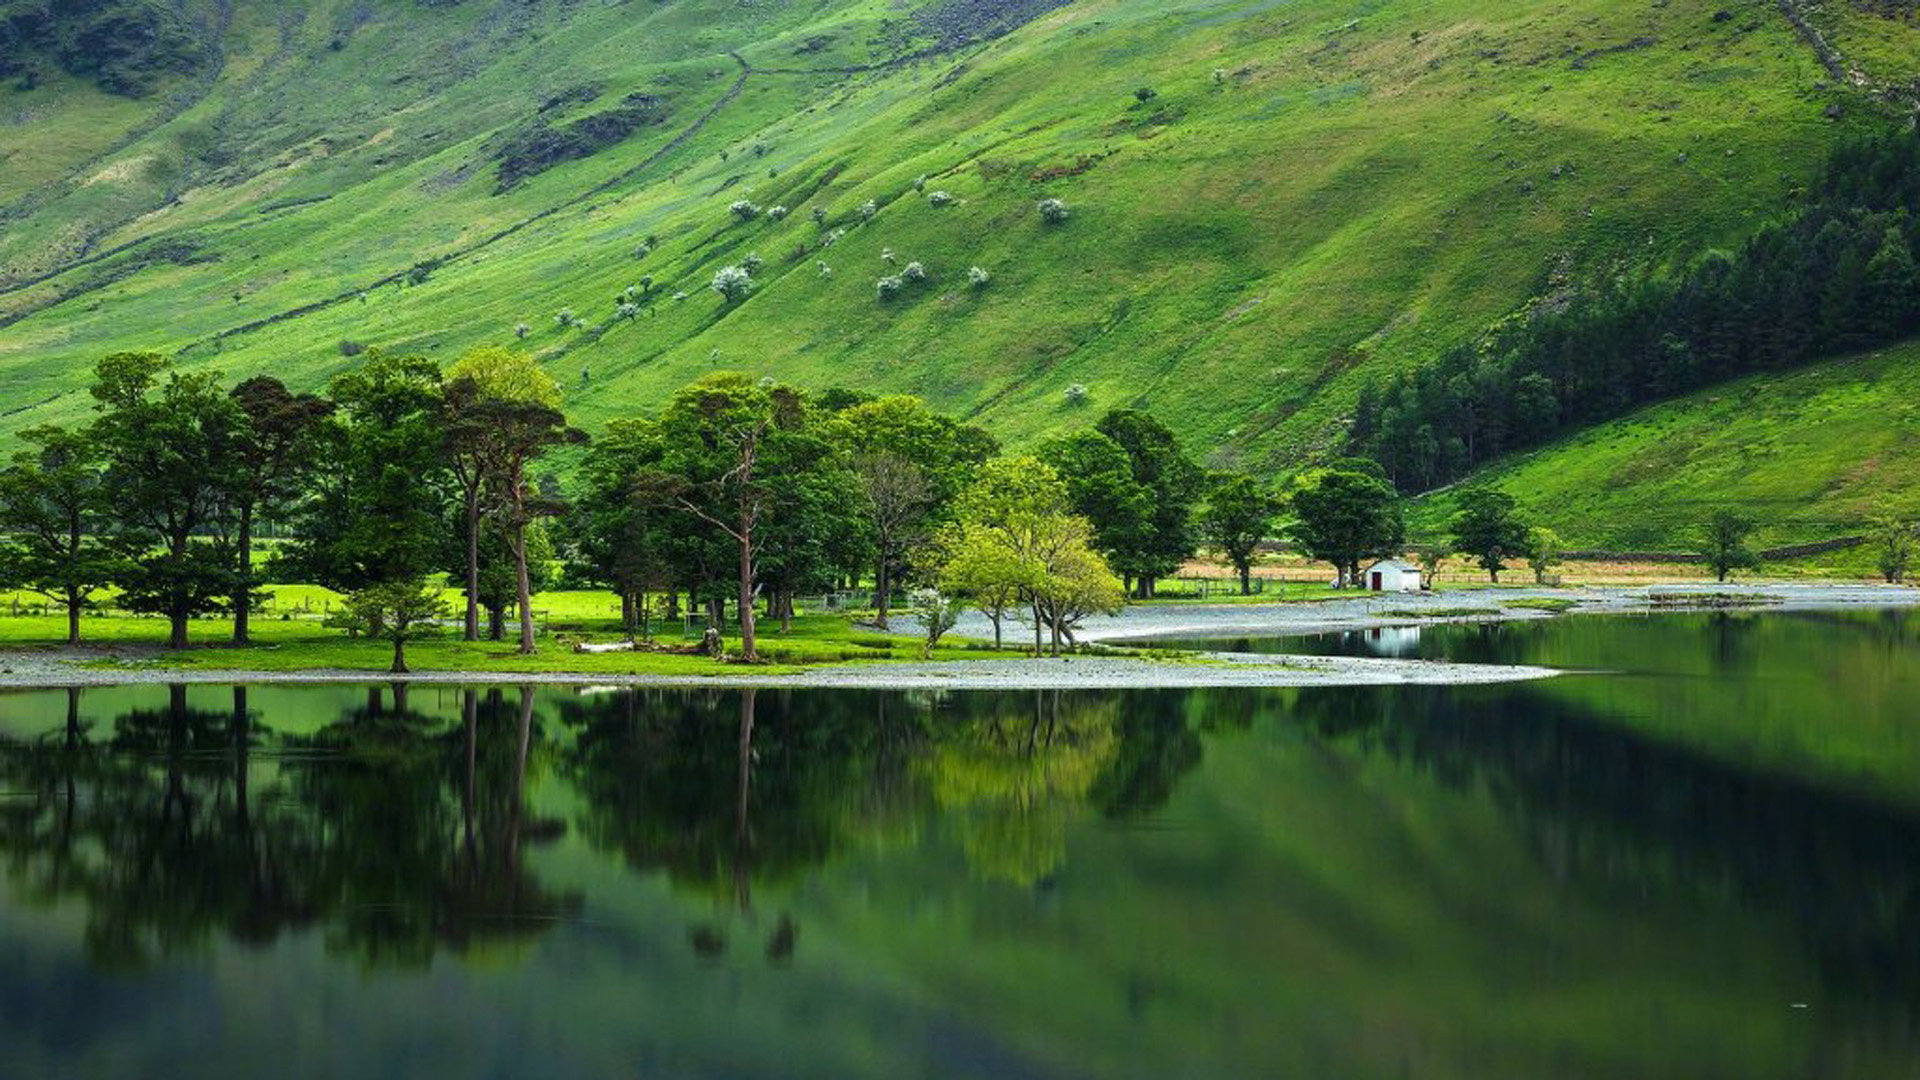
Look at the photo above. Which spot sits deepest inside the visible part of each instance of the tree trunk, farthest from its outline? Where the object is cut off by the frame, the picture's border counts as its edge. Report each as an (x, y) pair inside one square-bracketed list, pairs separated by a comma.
[(473, 563), (177, 638), (626, 614), (881, 583), (243, 589), (399, 656), (496, 622), (995, 618), (1246, 580), (74, 602), (641, 604), (748, 650), (523, 588), (1036, 628)]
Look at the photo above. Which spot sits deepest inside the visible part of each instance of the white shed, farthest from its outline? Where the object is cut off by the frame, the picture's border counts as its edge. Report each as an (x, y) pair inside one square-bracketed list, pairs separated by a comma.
[(1392, 575)]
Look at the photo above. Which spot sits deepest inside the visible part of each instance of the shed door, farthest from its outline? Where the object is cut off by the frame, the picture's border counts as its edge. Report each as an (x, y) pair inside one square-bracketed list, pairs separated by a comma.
[(1377, 586)]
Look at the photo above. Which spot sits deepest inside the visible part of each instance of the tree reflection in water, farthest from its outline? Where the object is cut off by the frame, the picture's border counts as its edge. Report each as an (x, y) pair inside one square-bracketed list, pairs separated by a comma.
[(178, 829)]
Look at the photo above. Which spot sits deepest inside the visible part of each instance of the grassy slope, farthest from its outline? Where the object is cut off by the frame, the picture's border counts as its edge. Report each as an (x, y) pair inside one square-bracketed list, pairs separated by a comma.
[(1371, 183), (1809, 454)]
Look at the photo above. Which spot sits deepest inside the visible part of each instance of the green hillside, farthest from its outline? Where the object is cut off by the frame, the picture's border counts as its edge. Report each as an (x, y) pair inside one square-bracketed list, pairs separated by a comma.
[(1315, 190), (1808, 455)]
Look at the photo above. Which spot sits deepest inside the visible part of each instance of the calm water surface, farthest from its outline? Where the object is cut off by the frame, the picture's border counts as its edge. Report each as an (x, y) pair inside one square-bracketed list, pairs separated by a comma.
[(1704, 862)]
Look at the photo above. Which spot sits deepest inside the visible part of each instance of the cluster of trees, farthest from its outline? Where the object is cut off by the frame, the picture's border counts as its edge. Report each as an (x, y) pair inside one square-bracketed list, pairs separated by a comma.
[(1837, 275), (400, 472)]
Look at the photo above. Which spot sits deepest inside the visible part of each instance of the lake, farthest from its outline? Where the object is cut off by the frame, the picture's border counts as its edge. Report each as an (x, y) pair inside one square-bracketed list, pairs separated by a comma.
[(1698, 858)]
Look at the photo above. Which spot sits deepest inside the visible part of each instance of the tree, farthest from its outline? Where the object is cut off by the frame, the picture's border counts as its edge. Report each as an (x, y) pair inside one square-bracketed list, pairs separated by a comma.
[(272, 450), (723, 438), (1431, 558), (53, 507), (1487, 528), (937, 613), (911, 463), (982, 566), (1017, 536), (614, 538), (1543, 552), (1892, 296), (397, 610), (1172, 483), (1101, 487), (1896, 539), (519, 432), (376, 509), (476, 383), (1343, 516), (170, 449), (1724, 544), (1238, 515), (498, 583)]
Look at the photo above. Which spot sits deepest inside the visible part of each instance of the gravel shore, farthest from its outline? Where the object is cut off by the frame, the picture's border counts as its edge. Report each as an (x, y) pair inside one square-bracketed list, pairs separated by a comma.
[(71, 667)]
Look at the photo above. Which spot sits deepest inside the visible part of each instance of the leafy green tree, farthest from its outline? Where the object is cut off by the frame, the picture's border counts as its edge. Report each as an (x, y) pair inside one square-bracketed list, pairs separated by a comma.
[(476, 386), (1432, 557), (1488, 528), (1172, 482), (1343, 516), (1724, 544), (375, 511), (53, 508), (983, 567), (521, 431), (273, 450), (1543, 552), (1892, 300), (170, 442), (1238, 515), (1895, 537), (614, 538), (1016, 535), (1101, 487), (498, 583), (725, 439), (911, 463), (400, 611), (937, 613)]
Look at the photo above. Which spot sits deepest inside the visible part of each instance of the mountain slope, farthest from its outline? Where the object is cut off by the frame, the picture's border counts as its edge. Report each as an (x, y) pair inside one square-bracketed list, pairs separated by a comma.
[(1315, 190), (1809, 456)]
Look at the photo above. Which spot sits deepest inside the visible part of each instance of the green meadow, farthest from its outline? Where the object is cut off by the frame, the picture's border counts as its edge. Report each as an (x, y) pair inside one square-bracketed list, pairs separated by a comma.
[(1316, 191)]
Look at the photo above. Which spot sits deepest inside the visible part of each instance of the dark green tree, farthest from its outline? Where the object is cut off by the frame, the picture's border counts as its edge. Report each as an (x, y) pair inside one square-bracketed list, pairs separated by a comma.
[(1101, 488), (1487, 527), (171, 442), (1173, 486), (1724, 544), (273, 449), (53, 512), (375, 512), (613, 538), (1343, 516), (1238, 515)]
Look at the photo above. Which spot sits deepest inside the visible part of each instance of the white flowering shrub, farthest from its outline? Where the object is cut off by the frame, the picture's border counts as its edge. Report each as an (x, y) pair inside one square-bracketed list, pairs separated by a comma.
[(1053, 211), (888, 287), (978, 277), (939, 198), (744, 210), (913, 271), (733, 283), (1077, 394), (775, 213)]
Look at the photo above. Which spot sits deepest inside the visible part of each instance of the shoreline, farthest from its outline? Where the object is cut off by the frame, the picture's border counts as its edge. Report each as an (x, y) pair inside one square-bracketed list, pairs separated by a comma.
[(59, 667)]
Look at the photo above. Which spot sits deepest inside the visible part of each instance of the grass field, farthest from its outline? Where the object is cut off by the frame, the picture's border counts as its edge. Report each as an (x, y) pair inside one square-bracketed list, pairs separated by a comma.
[(1318, 190), (1808, 455)]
